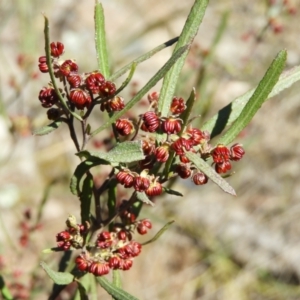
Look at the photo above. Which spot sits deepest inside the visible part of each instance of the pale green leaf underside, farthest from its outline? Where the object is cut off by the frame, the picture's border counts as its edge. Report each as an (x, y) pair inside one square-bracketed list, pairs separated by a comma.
[(227, 115), (114, 291), (210, 172), (60, 278)]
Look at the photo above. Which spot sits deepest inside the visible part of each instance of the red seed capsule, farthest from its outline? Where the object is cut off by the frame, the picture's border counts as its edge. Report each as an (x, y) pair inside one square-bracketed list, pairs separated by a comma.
[(80, 98), (57, 49), (200, 178)]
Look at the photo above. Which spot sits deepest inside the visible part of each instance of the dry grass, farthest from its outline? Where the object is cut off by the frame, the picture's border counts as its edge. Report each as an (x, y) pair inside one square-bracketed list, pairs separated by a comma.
[(220, 247)]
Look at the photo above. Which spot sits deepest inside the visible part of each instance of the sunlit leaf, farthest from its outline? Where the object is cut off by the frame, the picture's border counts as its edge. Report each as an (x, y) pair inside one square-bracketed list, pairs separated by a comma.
[(227, 115), (125, 152), (60, 278), (210, 172), (144, 198), (261, 93), (100, 40), (47, 129), (187, 35), (114, 291), (159, 233)]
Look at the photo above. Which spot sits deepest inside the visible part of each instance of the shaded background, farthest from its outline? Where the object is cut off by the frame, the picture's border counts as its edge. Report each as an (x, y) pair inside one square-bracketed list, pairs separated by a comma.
[(220, 247)]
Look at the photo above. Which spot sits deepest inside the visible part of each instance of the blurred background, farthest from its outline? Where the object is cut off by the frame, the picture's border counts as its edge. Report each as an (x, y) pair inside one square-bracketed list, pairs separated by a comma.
[(220, 246)]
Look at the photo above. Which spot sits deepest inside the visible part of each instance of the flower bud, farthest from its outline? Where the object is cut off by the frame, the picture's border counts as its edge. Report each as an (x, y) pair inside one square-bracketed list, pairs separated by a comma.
[(68, 67), (220, 154), (48, 97), (80, 98), (236, 152), (150, 121), (177, 106), (124, 127), (43, 67), (200, 178), (94, 82), (57, 49), (171, 126)]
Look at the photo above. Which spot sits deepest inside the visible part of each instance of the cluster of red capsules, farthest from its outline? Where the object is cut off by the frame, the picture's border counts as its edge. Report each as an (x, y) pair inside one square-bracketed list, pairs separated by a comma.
[(81, 90), (72, 237), (116, 249), (176, 142), (111, 250), (85, 89)]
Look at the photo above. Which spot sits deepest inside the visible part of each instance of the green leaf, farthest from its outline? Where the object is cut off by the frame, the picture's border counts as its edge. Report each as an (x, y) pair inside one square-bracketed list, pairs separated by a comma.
[(159, 233), (86, 198), (172, 192), (142, 58), (47, 129), (117, 279), (187, 35), (81, 169), (100, 40), (141, 196), (85, 285), (257, 99), (125, 152), (187, 113), (114, 291), (60, 278), (227, 115), (128, 79), (4, 290), (51, 250), (112, 201), (51, 71), (210, 172), (151, 83), (82, 291)]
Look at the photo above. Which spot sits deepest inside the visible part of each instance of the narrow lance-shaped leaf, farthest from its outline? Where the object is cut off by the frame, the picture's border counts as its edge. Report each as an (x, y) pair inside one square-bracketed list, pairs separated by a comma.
[(125, 152), (187, 113), (128, 79), (117, 278), (60, 278), (50, 250), (86, 198), (257, 99), (112, 200), (114, 291), (210, 172), (227, 115), (159, 75), (159, 233), (187, 35), (141, 196), (172, 192), (82, 291), (47, 129), (100, 40), (81, 169), (143, 58)]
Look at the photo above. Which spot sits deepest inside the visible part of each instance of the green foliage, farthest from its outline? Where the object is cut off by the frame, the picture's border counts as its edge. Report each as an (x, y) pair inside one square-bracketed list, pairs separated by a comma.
[(127, 153), (114, 291), (60, 278)]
